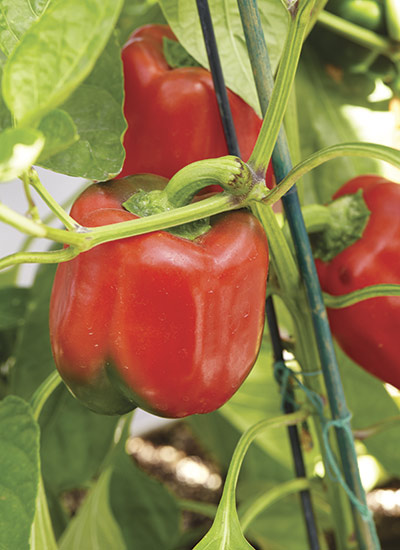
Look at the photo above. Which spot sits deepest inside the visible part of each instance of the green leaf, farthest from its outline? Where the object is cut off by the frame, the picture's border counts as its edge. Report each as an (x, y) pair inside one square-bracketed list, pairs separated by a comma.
[(183, 18), (12, 306), (136, 13), (176, 56), (59, 131), (95, 526), (360, 387), (42, 535), (225, 533), (19, 148), (270, 528), (56, 54), (258, 399), (74, 440), (96, 110), (19, 472), (331, 113), (16, 16), (147, 513)]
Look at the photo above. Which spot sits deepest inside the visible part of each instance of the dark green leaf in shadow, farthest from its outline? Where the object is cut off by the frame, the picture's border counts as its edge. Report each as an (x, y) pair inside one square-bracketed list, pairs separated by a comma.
[(19, 472), (13, 301), (95, 526), (146, 512)]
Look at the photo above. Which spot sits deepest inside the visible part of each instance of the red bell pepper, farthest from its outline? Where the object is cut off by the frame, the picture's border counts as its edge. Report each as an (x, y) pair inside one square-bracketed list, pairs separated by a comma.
[(172, 114), (369, 331), (156, 320)]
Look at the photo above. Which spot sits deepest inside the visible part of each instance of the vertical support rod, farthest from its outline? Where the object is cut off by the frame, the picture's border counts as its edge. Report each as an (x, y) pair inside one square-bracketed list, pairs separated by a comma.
[(282, 165), (233, 148)]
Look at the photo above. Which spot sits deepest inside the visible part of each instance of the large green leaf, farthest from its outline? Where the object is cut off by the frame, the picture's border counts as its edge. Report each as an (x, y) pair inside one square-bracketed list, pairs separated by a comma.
[(146, 512), (19, 472), (95, 526), (74, 439), (183, 18), (16, 16), (96, 110), (56, 54), (59, 131)]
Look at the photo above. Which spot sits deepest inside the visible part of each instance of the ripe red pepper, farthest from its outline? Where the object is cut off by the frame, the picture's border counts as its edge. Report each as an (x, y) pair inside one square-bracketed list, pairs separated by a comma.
[(172, 114), (156, 320), (369, 331)]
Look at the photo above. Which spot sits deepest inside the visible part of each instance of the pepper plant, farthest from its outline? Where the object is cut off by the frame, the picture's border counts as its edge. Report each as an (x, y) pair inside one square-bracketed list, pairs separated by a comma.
[(158, 298)]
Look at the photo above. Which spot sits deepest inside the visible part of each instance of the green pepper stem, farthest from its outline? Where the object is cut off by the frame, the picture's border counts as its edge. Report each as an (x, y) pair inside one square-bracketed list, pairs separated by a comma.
[(230, 172), (43, 393)]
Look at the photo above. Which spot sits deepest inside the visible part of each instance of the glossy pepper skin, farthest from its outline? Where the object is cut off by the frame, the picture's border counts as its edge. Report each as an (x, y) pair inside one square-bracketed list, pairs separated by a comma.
[(158, 321), (172, 114), (369, 331)]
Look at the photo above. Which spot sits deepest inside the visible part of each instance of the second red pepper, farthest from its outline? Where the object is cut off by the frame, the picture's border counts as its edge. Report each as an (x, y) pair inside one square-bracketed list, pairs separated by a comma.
[(172, 114), (369, 330)]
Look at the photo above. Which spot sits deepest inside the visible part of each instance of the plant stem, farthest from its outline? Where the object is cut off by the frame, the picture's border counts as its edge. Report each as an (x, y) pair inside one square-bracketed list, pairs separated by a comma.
[(33, 211), (380, 152), (51, 257), (307, 354), (221, 202), (56, 208), (282, 259), (372, 291), (272, 496), (357, 34), (36, 229), (262, 151), (245, 441), (43, 392)]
